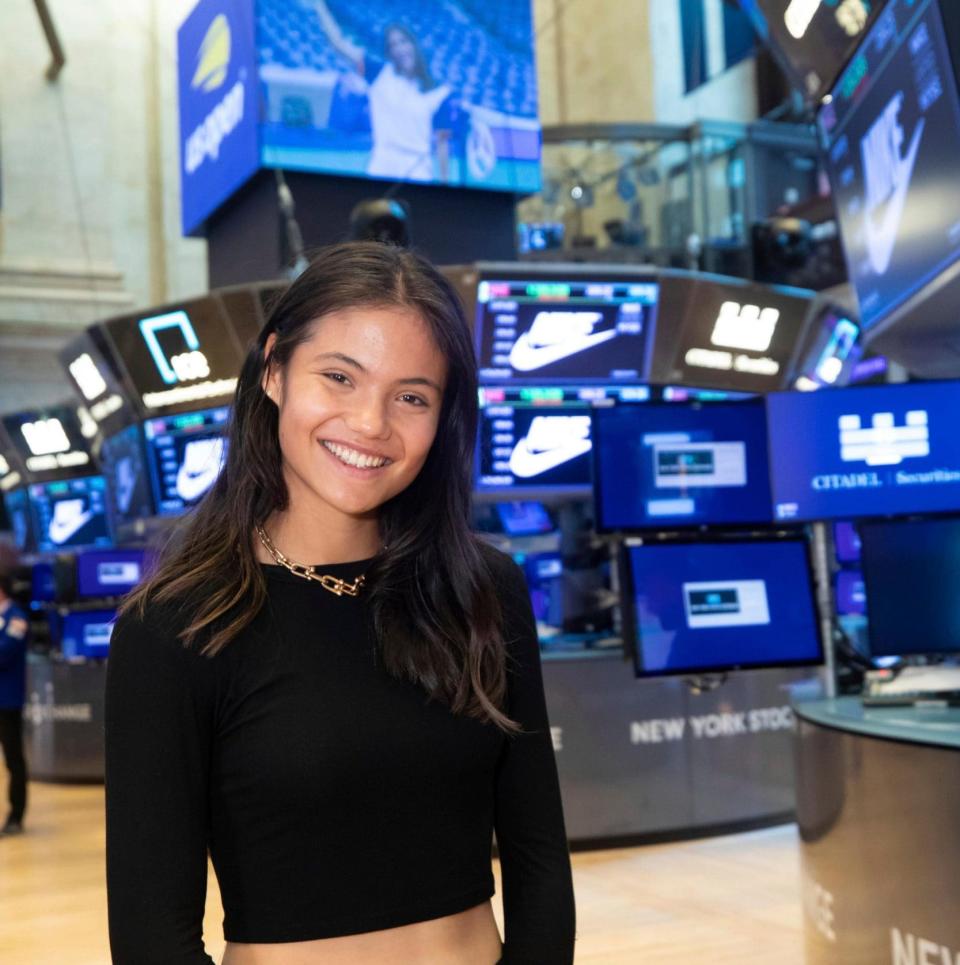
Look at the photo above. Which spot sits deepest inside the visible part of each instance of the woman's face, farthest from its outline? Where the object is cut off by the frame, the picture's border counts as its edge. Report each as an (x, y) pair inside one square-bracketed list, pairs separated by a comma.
[(402, 52), (359, 404)]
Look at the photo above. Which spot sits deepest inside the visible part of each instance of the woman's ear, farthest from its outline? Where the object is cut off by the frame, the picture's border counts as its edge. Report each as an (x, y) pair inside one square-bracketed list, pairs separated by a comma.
[(270, 382)]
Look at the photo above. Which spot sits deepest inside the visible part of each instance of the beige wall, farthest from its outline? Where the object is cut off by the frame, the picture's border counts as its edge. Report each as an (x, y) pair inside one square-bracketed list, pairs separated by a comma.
[(89, 224), (594, 62)]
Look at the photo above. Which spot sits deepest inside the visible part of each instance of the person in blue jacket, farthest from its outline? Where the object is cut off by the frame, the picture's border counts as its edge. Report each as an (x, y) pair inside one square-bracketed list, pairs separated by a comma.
[(14, 632)]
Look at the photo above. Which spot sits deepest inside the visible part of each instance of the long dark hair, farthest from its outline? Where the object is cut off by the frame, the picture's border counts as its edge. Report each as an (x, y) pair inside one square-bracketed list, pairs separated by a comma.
[(435, 609), (420, 69)]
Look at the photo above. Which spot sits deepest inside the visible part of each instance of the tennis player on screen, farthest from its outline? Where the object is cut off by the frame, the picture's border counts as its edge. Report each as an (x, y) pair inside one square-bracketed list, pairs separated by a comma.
[(404, 103)]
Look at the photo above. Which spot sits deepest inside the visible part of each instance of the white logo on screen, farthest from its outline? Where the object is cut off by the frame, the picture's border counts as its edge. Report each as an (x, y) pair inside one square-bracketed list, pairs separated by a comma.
[(886, 176), (69, 516), (746, 327), (557, 335), (202, 459), (550, 441), (884, 443), (726, 603)]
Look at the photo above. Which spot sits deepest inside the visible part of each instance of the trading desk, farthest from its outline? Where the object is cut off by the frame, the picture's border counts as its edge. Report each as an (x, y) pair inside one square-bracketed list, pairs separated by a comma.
[(878, 805)]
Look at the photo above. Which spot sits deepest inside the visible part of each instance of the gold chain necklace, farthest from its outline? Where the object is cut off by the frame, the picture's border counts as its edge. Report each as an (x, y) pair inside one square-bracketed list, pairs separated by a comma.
[(332, 583)]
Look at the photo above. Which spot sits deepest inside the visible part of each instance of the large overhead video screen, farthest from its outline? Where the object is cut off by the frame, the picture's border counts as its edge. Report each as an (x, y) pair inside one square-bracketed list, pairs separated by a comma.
[(538, 438), (50, 442), (891, 135), (401, 90), (556, 331), (859, 452), (812, 38), (669, 465), (70, 513), (701, 607)]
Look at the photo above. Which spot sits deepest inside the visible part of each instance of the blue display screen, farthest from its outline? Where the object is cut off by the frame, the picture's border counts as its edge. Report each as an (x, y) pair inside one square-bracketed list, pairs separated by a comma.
[(110, 572), (891, 135), (869, 451), (912, 573), (698, 607), (70, 513), (125, 470), (185, 453), (87, 633), (664, 466), (17, 505), (554, 331), (846, 542), (544, 573), (524, 518), (538, 438), (850, 594)]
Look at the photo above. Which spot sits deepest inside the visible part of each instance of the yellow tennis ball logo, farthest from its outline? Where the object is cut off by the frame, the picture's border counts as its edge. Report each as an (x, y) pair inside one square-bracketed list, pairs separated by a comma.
[(213, 58)]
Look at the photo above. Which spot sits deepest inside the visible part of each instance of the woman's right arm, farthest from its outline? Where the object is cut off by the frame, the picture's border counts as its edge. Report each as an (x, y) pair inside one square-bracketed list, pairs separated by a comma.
[(331, 28), (159, 732)]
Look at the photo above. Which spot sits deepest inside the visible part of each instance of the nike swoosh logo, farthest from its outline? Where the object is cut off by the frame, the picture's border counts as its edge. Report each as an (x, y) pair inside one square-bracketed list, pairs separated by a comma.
[(524, 356), (883, 239), (525, 463)]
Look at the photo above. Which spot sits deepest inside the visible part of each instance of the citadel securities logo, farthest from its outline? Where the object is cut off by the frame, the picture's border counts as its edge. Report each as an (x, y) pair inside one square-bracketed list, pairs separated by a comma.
[(887, 175), (557, 335), (213, 57), (884, 443), (550, 441), (213, 62)]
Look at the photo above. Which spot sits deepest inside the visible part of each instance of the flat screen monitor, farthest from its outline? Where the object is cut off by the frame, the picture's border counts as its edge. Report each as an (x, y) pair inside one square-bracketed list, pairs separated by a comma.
[(555, 331), (124, 464), (185, 454), (70, 513), (537, 439), (17, 504), (87, 633), (441, 93), (850, 593), (710, 607), (50, 442), (110, 572), (666, 466), (891, 138), (867, 451), (911, 569), (846, 542), (544, 573)]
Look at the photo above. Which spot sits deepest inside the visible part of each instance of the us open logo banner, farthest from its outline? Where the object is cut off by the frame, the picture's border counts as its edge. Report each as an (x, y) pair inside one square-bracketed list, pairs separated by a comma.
[(219, 145)]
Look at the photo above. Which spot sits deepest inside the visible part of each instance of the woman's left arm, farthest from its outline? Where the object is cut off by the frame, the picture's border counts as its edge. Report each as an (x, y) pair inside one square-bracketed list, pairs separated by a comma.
[(538, 899)]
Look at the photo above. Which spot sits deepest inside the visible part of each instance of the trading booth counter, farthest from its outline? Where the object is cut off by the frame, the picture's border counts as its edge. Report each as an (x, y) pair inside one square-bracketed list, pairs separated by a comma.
[(878, 794)]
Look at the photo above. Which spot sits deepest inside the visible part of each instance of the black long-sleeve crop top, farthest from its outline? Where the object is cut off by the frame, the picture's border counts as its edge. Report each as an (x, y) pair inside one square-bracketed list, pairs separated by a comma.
[(333, 798)]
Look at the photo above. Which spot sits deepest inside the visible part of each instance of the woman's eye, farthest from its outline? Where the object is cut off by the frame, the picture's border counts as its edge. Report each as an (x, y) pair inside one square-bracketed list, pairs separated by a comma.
[(337, 377), (415, 399)]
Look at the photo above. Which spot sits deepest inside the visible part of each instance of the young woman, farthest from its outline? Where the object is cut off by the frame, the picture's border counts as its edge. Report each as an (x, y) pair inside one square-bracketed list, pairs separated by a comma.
[(329, 681), (404, 101)]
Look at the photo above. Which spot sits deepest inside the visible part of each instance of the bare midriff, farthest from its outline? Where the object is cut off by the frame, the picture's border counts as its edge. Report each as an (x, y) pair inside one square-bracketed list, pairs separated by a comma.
[(469, 937)]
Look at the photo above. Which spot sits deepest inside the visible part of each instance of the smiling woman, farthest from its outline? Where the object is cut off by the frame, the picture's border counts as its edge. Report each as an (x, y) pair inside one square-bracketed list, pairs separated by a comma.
[(329, 682)]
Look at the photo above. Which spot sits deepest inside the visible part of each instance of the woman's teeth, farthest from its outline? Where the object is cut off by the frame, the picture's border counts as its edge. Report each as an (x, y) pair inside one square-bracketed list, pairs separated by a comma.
[(357, 459)]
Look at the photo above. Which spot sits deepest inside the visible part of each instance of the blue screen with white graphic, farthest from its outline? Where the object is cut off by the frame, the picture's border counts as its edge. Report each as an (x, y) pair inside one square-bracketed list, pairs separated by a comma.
[(719, 606), (128, 481), (70, 513), (663, 466), (537, 438), (219, 146), (87, 633), (891, 136), (911, 569), (555, 331), (401, 90), (111, 572), (185, 454), (869, 451)]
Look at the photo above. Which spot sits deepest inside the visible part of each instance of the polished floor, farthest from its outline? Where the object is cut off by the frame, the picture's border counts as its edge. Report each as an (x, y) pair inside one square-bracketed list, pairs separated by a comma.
[(723, 901)]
